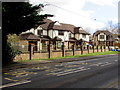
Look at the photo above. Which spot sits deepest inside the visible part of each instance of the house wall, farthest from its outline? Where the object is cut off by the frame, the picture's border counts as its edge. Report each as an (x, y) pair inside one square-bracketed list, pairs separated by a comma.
[(66, 35), (80, 36), (77, 36), (72, 35), (50, 33), (44, 32), (54, 33), (86, 39)]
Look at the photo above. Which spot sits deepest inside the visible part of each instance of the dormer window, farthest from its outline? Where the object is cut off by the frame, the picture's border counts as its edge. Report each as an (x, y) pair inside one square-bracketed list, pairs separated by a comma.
[(101, 36), (40, 32)]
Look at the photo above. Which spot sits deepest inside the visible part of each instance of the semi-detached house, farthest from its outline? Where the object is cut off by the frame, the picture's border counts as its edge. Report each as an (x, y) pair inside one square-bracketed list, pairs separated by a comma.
[(57, 33)]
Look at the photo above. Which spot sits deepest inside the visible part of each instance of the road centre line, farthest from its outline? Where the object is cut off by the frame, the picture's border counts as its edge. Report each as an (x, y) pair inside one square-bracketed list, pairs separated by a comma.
[(14, 84)]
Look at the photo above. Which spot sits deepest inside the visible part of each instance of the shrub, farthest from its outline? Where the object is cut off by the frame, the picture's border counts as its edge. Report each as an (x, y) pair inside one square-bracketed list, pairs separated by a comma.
[(10, 53)]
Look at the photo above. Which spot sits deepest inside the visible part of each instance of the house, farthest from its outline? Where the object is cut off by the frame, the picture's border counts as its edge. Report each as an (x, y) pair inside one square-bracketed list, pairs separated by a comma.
[(103, 37), (116, 40), (81, 35), (55, 33), (78, 37), (26, 39)]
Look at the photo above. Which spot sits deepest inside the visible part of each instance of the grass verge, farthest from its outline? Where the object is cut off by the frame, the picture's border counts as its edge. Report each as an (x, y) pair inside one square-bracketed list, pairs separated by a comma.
[(77, 56)]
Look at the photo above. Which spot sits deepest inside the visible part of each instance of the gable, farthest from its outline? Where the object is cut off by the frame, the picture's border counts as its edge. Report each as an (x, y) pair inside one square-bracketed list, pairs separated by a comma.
[(57, 23)]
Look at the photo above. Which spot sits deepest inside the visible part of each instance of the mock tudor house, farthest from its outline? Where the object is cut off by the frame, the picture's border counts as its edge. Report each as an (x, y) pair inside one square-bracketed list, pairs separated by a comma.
[(103, 37), (55, 33), (81, 35)]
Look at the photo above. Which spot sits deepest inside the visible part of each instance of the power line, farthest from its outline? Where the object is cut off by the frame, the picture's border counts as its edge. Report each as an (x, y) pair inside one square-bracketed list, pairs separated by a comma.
[(70, 11)]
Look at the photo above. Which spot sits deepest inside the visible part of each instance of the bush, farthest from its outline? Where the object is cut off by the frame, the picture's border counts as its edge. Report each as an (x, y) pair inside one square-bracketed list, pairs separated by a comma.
[(10, 53)]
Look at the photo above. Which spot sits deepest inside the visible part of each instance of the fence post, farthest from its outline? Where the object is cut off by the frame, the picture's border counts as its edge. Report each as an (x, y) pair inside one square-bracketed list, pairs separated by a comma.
[(97, 48), (73, 48), (104, 48), (63, 49), (30, 52), (93, 48), (33, 50), (108, 48), (101, 48), (81, 50), (88, 48), (49, 53)]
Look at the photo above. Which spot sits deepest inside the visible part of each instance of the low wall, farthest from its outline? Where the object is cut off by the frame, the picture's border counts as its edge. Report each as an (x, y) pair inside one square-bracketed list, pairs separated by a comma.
[(69, 53), (40, 56), (56, 54), (53, 54)]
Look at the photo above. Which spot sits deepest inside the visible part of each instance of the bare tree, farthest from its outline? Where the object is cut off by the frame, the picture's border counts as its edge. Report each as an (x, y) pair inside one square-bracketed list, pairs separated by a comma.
[(112, 27)]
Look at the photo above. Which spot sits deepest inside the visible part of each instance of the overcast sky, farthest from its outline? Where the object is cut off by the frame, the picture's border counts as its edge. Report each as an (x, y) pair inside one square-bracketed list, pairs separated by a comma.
[(90, 14)]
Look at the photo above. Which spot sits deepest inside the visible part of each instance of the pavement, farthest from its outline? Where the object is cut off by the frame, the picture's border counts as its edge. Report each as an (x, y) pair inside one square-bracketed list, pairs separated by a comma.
[(36, 62)]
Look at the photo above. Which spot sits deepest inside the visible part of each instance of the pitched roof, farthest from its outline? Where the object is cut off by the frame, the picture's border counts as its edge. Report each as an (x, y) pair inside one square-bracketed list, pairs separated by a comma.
[(77, 30), (66, 27), (107, 33), (84, 32), (73, 39), (45, 38), (48, 24), (28, 36), (102, 31), (57, 39)]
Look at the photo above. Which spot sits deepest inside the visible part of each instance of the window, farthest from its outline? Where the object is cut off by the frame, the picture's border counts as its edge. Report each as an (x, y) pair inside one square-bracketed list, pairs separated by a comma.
[(70, 35), (60, 32), (84, 36), (40, 32), (101, 36)]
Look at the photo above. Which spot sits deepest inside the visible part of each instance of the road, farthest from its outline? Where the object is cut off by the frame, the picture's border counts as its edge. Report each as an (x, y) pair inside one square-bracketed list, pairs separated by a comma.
[(92, 73)]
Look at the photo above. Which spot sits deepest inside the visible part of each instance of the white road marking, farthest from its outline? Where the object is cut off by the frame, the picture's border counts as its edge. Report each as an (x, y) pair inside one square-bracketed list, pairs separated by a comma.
[(115, 60), (95, 64), (56, 70), (69, 70), (66, 71), (13, 84), (106, 64), (73, 72), (59, 65)]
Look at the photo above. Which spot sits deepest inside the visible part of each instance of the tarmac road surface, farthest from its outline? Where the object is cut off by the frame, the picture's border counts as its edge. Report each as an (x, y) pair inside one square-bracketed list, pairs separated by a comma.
[(93, 73)]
